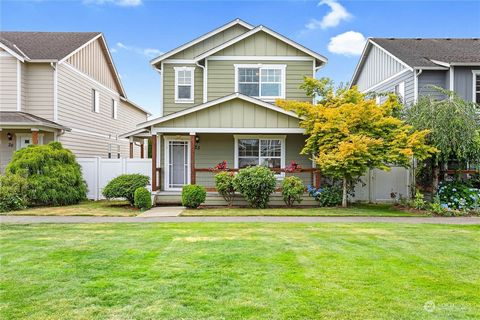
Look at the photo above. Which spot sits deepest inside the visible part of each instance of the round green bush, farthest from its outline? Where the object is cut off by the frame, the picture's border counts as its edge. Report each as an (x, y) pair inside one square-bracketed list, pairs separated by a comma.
[(193, 195), (124, 186), (53, 175), (142, 198), (292, 190), (329, 196), (256, 184), (13, 188), (225, 185)]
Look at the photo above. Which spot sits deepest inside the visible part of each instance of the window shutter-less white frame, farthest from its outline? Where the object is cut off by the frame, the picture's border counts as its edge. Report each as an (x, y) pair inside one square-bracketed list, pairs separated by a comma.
[(96, 101), (260, 67), (192, 84), (114, 109)]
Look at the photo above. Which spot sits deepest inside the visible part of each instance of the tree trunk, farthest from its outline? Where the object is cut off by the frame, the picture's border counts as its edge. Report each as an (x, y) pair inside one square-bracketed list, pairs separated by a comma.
[(344, 196), (435, 177)]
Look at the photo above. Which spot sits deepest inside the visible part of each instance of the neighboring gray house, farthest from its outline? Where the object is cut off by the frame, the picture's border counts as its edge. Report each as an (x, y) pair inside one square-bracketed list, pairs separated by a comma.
[(409, 67), (63, 86)]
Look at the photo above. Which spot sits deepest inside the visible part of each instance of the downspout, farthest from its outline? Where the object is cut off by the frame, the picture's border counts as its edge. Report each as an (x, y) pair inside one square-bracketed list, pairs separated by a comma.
[(160, 72), (413, 186), (204, 81)]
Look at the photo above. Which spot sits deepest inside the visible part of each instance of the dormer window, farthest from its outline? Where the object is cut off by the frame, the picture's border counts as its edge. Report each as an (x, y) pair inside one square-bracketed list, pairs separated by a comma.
[(266, 82), (184, 84)]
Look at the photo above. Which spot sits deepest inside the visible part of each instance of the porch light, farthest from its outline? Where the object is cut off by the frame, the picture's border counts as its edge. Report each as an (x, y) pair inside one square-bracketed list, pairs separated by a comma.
[(9, 136), (197, 139)]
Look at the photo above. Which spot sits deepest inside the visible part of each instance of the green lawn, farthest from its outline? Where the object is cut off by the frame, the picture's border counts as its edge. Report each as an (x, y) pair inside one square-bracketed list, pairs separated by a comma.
[(239, 271), (85, 208), (362, 210)]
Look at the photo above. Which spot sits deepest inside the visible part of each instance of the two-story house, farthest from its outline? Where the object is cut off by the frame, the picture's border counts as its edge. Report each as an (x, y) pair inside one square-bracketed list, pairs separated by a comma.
[(63, 86), (410, 67), (218, 94)]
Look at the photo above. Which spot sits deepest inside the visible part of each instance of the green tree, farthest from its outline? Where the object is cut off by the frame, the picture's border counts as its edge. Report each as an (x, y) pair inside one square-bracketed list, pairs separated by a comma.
[(348, 133), (454, 126)]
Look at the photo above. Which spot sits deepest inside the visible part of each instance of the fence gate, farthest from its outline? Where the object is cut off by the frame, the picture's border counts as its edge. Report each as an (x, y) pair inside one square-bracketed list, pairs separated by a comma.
[(97, 172)]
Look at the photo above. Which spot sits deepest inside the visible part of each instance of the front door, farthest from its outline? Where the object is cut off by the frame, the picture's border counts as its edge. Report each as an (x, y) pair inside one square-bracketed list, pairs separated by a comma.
[(177, 164)]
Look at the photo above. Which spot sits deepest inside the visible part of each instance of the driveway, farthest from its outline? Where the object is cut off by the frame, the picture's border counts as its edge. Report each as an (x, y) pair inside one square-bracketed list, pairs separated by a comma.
[(88, 219)]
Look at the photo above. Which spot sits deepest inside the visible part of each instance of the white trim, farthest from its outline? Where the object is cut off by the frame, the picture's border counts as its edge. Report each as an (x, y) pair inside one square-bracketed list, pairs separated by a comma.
[(114, 109), (167, 140), (192, 84), (96, 101), (13, 53), (390, 54), (228, 130), (415, 84), (260, 66), (162, 89), (19, 85), (282, 139), (266, 30), (69, 66), (401, 90), (451, 84), (385, 81), (360, 61), (201, 38), (465, 64), (215, 102), (205, 82), (475, 73), (259, 58), (55, 91), (179, 61)]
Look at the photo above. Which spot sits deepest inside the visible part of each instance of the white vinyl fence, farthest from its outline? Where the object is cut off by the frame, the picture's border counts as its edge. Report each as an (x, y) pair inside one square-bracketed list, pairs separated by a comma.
[(97, 172)]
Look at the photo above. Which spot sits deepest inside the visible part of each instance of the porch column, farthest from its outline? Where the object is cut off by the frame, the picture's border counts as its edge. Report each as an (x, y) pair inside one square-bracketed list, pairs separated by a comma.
[(131, 149), (153, 140), (192, 158), (142, 150), (35, 136)]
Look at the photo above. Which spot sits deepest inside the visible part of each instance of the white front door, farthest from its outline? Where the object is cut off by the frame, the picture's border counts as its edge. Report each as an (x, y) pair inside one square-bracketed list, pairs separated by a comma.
[(177, 163), (25, 139)]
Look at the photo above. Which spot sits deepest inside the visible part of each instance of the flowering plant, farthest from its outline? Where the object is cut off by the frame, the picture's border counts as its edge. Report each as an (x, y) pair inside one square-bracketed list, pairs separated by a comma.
[(292, 167), (458, 195), (329, 196), (221, 166)]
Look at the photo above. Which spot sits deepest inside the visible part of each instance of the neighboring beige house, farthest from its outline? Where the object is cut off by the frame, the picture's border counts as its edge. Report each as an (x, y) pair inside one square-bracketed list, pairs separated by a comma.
[(63, 86), (218, 94)]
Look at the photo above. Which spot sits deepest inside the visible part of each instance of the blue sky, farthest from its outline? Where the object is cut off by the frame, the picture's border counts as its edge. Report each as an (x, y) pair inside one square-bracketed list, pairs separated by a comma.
[(137, 30)]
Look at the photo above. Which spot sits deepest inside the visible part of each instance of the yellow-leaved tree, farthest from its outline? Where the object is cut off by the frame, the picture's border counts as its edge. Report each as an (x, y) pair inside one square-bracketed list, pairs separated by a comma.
[(349, 133)]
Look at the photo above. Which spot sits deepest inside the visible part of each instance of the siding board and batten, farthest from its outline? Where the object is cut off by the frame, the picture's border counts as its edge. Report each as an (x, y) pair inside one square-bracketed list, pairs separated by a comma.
[(377, 67), (39, 90), (8, 82)]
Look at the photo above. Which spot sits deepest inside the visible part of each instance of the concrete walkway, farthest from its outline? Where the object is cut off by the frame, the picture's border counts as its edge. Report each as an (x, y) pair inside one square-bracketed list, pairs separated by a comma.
[(86, 219), (162, 212)]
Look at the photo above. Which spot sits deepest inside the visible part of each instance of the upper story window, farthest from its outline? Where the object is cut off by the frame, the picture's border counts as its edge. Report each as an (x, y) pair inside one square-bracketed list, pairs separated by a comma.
[(476, 86), (266, 82), (184, 77), (400, 91), (95, 101), (114, 109)]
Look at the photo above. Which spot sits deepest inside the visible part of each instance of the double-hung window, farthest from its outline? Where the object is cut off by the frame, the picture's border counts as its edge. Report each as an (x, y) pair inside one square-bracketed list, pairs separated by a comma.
[(266, 82), (267, 151), (400, 91), (476, 86), (184, 77)]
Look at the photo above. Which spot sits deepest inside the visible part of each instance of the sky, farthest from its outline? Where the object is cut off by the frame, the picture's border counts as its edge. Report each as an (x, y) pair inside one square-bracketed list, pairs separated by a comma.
[(139, 30)]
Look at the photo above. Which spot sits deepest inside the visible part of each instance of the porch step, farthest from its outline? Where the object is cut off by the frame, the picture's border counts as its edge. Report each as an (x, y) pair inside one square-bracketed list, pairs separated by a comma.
[(214, 199)]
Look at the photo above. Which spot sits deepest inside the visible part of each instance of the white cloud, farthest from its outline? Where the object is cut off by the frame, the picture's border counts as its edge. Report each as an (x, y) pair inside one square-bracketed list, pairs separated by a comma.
[(146, 52), (113, 50), (350, 43), (337, 14), (121, 3)]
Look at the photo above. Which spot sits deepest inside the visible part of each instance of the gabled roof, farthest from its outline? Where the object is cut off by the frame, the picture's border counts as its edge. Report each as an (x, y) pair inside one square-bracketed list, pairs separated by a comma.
[(201, 38), (426, 52), (277, 35), (45, 45), (216, 102), (17, 118)]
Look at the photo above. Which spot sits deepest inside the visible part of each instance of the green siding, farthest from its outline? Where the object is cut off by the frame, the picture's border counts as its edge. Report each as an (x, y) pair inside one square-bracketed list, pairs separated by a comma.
[(261, 44), (169, 105), (235, 113), (210, 43), (221, 77)]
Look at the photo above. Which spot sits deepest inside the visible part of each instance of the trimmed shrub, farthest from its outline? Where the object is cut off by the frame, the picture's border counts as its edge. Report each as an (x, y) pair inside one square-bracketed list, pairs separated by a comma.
[(329, 196), (124, 186), (13, 188), (193, 195), (142, 198), (225, 186), (292, 190), (53, 175), (256, 184)]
